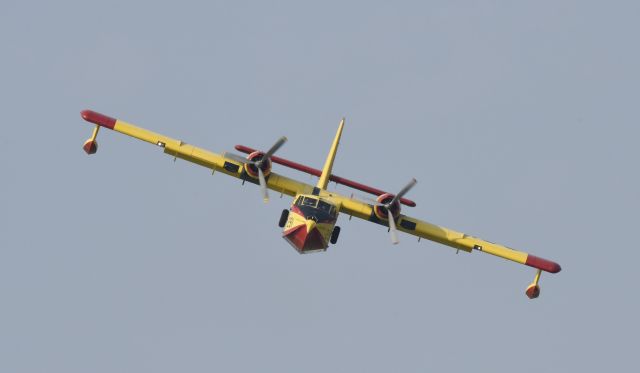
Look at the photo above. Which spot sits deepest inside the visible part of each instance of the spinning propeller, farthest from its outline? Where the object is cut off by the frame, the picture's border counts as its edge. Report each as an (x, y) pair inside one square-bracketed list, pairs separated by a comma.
[(392, 205), (261, 160)]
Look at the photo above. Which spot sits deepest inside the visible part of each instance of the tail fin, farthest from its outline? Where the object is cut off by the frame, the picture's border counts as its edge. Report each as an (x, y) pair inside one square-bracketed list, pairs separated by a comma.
[(323, 182)]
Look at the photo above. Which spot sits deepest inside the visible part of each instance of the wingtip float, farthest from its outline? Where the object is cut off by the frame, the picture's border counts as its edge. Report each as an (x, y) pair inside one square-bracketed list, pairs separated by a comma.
[(541, 264), (309, 225), (91, 145)]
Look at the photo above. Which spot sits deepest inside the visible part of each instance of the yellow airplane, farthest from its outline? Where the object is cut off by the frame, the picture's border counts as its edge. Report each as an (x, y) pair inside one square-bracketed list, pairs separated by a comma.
[(310, 224)]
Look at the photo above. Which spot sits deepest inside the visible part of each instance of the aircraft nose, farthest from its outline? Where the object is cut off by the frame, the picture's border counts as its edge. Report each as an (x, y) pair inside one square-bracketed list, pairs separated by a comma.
[(306, 237), (310, 225)]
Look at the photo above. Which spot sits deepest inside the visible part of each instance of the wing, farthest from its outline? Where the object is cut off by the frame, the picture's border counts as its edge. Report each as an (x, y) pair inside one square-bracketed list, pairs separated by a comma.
[(182, 150), (445, 236)]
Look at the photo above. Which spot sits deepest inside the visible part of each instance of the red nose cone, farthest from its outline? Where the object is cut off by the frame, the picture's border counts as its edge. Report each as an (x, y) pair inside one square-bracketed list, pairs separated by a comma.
[(305, 242)]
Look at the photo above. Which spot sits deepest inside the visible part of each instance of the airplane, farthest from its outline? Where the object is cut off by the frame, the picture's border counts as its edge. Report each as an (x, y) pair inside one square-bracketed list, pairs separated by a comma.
[(309, 225)]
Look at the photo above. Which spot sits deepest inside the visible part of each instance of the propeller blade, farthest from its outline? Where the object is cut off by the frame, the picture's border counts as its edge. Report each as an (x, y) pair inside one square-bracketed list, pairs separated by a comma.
[(263, 186), (275, 147), (237, 158), (404, 191), (392, 228)]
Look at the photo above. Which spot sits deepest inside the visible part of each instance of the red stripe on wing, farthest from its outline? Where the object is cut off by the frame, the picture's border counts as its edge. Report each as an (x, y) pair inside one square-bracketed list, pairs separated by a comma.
[(543, 264), (99, 119), (334, 178)]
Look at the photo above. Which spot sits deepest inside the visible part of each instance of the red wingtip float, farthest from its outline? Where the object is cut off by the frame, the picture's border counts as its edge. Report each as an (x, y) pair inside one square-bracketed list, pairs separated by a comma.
[(310, 224), (533, 291), (91, 146)]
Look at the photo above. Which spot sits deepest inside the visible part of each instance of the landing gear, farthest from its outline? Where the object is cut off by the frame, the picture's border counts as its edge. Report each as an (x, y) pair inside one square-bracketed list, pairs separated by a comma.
[(283, 218), (334, 235)]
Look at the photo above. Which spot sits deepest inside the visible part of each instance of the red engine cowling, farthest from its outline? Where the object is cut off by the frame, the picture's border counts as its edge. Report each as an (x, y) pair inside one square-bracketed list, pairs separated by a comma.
[(381, 212), (252, 169)]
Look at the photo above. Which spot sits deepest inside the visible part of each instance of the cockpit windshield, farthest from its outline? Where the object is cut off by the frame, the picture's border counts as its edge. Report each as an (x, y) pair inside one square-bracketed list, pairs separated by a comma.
[(323, 206), (308, 201)]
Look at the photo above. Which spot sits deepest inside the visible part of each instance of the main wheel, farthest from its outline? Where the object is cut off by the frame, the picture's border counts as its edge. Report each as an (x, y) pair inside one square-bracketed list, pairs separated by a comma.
[(283, 218), (334, 235)]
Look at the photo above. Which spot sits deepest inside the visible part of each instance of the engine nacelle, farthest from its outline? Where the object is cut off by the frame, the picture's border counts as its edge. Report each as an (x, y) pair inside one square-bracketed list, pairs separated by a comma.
[(252, 170), (381, 211)]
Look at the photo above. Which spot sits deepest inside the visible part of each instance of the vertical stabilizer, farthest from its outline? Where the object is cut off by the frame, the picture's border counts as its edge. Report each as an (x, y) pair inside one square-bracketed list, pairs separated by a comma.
[(328, 165)]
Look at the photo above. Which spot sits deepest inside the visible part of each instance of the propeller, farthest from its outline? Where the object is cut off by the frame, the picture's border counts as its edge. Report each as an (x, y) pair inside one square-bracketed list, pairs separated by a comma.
[(259, 163), (393, 230)]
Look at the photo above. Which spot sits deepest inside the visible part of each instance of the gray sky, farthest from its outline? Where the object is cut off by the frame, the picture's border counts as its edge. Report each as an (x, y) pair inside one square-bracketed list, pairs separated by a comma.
[(519, 119)]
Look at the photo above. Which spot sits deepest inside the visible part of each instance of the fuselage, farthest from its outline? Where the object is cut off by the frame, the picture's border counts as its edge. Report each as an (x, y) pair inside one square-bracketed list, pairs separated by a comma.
[(310, 224)]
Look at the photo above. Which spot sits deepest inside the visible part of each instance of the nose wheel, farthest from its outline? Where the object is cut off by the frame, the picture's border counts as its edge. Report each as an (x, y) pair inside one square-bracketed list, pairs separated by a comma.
[(334, 235), (283, 218)]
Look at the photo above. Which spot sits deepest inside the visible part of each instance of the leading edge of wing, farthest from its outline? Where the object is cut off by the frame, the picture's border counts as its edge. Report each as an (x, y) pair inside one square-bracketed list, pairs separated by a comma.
[(315, 172)]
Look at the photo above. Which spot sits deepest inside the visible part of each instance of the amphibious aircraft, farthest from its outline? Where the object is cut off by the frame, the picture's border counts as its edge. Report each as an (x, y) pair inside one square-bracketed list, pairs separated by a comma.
[(310, 224)]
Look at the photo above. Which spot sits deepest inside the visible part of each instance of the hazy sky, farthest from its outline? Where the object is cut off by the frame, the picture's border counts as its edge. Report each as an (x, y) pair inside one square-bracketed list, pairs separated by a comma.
[(518, 118)]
